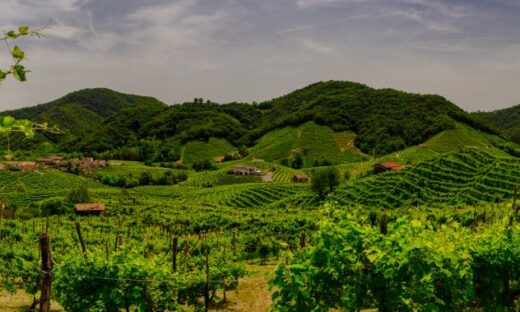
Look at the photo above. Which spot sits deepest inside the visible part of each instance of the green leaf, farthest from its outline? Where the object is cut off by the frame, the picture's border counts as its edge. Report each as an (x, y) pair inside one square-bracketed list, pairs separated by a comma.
[(23, 30), (18, 53), (3, 74), (19, 72), (11, 34)]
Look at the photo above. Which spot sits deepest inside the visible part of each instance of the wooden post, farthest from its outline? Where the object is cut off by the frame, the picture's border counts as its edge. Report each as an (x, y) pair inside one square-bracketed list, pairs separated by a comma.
[(206, 288), (175, 245), (46, 274), (302, 240), (81, 241)]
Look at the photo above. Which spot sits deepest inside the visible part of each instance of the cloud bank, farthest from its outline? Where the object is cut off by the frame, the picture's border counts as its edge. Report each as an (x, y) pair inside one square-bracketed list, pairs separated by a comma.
[(231, 50)]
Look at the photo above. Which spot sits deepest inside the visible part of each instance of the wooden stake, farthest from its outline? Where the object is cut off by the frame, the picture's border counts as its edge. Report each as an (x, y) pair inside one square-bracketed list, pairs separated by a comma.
[(46, 274), (81, 241), (206, 288)]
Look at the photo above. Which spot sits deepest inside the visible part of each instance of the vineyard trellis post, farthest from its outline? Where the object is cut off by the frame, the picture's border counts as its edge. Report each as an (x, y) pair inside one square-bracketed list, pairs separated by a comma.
[(46, 273), (81, 241), (206, 286)]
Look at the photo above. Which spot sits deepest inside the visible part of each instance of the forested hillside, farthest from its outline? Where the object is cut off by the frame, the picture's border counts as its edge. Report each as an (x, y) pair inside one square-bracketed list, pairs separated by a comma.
[(116, 125), (507, 120)]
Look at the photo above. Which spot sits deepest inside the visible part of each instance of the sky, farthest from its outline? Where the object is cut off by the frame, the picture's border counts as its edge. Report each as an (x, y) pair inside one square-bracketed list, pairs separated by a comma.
[(249, 50)]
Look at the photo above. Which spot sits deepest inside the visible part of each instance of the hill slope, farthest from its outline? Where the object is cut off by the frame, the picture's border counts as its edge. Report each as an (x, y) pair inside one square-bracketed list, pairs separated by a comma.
[(380, 121), (507, 120), (466, 177)]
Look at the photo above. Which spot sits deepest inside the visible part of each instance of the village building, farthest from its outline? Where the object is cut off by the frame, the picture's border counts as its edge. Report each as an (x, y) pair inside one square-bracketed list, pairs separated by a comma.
[(246, 170), (89, 209), (84, 165), (300, 178), (26, 165), (50, 161), (387, 166)]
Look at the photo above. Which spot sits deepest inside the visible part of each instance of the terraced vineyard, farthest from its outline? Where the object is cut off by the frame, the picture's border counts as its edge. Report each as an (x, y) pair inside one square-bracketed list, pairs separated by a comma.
[(197, 150), (248, 195), (315, 142), (467, 177), (21, 188)]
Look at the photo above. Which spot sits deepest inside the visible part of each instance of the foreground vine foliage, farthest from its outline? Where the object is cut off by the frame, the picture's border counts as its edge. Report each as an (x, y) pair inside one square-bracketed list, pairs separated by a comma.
[(418, 265)]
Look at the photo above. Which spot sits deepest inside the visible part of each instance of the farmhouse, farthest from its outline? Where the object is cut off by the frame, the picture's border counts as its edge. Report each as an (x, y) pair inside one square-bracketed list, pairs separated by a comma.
[(90, 208), (246, 170), (387, 166), (300, 178)]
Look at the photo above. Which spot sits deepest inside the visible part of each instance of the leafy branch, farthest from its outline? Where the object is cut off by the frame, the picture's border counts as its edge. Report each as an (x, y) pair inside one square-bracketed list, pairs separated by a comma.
[(16, 69)]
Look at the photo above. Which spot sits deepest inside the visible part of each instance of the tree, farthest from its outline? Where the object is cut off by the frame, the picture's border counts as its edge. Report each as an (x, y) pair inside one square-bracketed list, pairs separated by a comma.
[(145, 178), (297, 162), (79, 195), (325, 180)]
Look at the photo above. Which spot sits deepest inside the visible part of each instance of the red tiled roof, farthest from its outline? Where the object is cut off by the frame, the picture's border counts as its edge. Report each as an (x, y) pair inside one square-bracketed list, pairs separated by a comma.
[(391, 165)]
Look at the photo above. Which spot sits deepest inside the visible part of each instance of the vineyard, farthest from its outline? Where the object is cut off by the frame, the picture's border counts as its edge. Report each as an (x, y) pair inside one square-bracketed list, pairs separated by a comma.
[(467, 177), (187, 246), (316, 143)]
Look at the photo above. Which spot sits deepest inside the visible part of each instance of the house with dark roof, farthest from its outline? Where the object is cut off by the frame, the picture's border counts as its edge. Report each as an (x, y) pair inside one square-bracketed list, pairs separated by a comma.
[(300, 178)]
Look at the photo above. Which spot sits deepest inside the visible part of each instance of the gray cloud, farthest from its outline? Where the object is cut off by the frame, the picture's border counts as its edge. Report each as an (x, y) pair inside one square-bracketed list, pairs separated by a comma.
[(228, 50)]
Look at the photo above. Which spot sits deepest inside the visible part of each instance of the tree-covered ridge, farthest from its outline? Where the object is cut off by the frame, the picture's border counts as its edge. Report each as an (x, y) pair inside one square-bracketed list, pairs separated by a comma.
[(385, 120), (507, 120), (104, 121)]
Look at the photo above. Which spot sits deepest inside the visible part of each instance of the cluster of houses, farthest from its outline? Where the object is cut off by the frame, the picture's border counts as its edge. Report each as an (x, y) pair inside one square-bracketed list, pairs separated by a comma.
[(84, 165)]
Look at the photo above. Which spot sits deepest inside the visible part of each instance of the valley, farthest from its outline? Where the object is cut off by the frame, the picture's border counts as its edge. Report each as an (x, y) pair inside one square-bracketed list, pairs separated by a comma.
[(332, 192)]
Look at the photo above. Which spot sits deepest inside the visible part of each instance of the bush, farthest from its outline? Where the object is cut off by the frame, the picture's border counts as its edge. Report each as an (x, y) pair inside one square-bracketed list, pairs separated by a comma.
[(203, 165)]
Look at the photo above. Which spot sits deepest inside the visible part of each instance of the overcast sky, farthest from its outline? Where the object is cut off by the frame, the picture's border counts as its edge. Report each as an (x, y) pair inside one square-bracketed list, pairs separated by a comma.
[(254, 50)]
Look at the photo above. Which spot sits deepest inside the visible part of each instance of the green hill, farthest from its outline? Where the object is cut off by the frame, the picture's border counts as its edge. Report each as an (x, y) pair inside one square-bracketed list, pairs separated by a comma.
[(464, 177), (507, 120), (314, 142), (331, 121), (384, 120)]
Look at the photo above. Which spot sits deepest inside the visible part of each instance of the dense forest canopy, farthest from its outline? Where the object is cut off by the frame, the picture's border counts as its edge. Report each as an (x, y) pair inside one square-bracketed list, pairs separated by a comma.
[(507, 120), (102, 120)]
